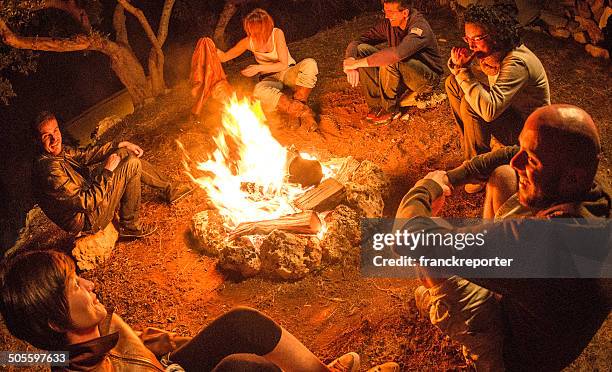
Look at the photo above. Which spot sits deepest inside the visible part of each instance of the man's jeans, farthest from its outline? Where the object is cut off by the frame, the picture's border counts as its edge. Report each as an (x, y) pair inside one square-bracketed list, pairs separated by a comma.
[(124, 191), (475, 130), (471, 315), (383, 86)]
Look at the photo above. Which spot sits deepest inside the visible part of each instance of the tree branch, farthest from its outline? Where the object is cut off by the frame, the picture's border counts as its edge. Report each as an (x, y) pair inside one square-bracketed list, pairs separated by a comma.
[(145, 25), (162, 31), (70, 7), (49, 44), (121, 34)]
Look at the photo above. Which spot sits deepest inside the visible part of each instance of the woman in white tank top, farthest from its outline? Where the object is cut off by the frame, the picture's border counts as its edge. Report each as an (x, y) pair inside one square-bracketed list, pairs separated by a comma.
[(276, 68)]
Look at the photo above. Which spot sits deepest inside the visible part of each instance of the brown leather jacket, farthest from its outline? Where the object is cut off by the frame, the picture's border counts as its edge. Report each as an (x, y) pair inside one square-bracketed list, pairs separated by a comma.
[(64, 188), (121, 349)]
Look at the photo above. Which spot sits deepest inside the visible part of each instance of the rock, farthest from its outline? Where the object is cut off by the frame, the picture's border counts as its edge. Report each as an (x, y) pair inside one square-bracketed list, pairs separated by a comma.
[(289, 256), (207, 228), (370, 175), (240, 256), (573, 26), (560, 33), (595, 33), (104, 125), (92, 250), (583, 9), (552, 20), (366, 201), (597, 52), (580, 37), (603, 21), (596, 6), (342, 235)]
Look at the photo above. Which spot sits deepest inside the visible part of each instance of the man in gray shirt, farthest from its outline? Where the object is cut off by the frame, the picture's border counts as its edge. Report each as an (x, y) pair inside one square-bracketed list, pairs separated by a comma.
[(411, 60)]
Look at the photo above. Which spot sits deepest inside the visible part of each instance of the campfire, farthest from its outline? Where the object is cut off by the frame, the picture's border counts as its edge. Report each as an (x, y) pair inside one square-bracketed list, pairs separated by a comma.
[(276, 211)]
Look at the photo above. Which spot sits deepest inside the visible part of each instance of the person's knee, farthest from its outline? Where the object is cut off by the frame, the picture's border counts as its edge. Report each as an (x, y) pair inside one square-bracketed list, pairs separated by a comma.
[(246, 363), (364, 50), (267, 95), (466, 111), (451, 86), (309, 66), (130, 164), (242, 315), (503, 178)]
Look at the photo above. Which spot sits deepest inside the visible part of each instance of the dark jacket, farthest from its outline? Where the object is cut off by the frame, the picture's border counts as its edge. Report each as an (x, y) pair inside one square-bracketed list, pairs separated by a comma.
[(64, 187), (548, 321), (416, 41)]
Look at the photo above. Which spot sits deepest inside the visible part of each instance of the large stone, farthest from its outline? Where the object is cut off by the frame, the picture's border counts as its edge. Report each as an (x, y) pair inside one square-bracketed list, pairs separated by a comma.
[(343, 234), (595, 33), (370, 175), (92, 250), (583, 9), (597, 52), (289, 256), (580, 37), (553, 20), (603, 20), (366, 201), (560, 33), (207, 228), (240, 256)]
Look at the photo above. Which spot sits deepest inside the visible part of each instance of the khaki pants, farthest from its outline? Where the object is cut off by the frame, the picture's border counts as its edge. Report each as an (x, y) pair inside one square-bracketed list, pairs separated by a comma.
[(470, 315), (269, 90)]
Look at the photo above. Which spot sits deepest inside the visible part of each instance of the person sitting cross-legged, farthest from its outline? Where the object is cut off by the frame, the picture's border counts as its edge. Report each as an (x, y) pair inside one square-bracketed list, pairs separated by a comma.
[(80, 189), (45, 303)]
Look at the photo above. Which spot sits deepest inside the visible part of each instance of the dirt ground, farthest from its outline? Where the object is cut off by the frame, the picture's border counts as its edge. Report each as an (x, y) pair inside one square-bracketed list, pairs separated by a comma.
[(163, 281)]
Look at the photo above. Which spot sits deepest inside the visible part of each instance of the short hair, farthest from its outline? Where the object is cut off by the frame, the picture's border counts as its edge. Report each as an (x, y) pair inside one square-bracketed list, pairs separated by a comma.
[(42, 117), (499, 22), (403, 4), (258, 25), (33, 296)]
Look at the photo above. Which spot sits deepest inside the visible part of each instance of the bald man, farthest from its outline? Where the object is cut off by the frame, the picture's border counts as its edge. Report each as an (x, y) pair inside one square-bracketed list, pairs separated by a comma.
[(520, 324)]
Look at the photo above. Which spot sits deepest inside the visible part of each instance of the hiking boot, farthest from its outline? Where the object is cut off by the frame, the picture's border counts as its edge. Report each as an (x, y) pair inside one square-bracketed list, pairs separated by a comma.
[(373, 113), (422, 299), (178, 191), (473, 188), (136, 232), (349, 362), (385, 117), (385, 367)]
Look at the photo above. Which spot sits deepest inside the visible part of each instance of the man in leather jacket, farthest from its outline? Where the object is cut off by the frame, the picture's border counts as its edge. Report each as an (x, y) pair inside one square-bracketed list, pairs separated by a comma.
[(80, 189)]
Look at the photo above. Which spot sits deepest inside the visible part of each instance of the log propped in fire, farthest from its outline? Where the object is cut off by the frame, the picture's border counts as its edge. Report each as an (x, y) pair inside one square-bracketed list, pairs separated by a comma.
[(326, 196), (306, 222)]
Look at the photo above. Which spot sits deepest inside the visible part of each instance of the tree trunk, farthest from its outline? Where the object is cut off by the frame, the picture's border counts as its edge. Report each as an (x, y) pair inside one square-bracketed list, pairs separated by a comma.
[(229, 9), (156, 73), (129, 71)]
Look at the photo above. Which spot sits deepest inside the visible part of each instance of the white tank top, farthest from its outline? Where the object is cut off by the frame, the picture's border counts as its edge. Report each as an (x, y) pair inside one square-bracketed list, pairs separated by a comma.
[(269, 57)]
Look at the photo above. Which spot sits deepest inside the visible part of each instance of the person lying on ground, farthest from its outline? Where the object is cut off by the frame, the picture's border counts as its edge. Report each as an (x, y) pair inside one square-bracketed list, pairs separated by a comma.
[(411, 60), (45, 303), (522, 324), (80, 189), (515, 86)]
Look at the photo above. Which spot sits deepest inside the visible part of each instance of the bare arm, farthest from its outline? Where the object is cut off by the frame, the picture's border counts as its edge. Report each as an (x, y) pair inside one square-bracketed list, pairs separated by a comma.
[(235, 51)]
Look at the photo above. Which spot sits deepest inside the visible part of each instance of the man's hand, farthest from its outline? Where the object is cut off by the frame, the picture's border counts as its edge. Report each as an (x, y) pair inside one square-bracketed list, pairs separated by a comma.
[(461, 57), (112, 161), (349, 64), (352, 77), (441, 179), (250, 71), (134, 149)]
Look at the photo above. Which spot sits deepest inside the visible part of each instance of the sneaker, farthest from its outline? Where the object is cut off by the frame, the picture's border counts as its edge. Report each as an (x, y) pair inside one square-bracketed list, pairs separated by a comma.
[(349, 362), (178, 191), (373, 113), (136, 233), (386, 117), (386, 367), (422, 298), (473, 188)]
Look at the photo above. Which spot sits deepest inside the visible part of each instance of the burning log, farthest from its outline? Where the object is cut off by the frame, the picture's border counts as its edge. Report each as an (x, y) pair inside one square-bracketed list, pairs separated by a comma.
[(324, 197), (306, 222)]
